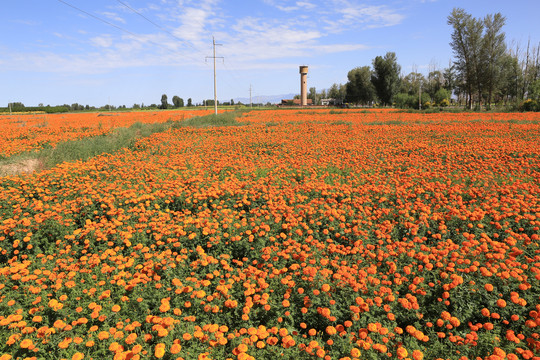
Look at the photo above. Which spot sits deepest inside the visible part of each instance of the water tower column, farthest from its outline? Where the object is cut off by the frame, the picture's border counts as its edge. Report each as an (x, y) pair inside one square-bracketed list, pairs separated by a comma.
[(303, 85)]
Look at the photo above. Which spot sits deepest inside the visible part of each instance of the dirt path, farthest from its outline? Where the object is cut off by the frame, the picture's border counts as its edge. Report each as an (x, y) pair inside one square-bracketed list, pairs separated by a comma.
[(23, 166)]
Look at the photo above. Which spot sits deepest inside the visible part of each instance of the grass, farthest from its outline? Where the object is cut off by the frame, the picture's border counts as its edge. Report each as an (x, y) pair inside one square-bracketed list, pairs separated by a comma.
[(120, 138), (212, 120)]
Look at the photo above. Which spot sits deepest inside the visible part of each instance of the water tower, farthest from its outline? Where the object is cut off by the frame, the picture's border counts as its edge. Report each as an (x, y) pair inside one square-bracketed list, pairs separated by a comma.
[(303, 85)]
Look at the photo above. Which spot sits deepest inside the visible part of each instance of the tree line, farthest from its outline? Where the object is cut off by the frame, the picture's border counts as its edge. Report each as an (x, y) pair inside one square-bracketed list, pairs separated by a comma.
[(485, 71)]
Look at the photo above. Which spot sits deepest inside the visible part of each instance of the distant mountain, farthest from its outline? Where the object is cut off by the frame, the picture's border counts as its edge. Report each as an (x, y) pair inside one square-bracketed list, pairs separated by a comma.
[(272, 99)]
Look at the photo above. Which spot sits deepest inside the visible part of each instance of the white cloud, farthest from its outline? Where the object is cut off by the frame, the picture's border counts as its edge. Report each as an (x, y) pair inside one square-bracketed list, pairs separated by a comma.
[(248, 40), (351, 14), (104, 41), (113, 16)]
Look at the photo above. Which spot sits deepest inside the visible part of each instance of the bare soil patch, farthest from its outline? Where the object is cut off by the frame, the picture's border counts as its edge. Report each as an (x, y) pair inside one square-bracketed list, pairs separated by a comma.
[(20, 167)]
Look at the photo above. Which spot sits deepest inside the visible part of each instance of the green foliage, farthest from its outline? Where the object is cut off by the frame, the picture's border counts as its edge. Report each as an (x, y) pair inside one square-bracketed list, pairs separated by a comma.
[(177, 101), (534, 90), (164, 104), (444, 103), (212, 120), (359, 88), (530, 105), (441, 95), (406, 101), (385, 77), (47, 109)]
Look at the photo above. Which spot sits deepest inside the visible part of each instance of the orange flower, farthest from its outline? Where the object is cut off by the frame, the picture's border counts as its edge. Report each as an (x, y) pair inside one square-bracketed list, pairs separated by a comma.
[(330, 330), (77, 356), (417, 355), (26, 343), (402, 352), (159, 350), (175, 348)]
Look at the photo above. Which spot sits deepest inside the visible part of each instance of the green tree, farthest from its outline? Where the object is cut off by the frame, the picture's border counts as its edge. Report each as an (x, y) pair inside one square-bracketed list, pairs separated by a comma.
[(312, 94), (189, 102), (359, 88), (479, 46), (385, 77), (164, 104), (534, 90), (493, 49), (441, 95), (466, 36), (411, 83), (435, 81), (449, 75), (333, 92), (178, 101)]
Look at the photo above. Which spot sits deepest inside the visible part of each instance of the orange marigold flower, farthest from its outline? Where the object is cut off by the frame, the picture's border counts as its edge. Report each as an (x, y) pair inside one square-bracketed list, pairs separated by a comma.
[(77, 356), (402, 352), (417, 355), (159, 350), (175, 348)]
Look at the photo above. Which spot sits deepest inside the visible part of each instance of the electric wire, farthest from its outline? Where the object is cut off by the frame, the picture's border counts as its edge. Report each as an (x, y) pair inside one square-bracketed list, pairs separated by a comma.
[(159, 26), (126, 31)]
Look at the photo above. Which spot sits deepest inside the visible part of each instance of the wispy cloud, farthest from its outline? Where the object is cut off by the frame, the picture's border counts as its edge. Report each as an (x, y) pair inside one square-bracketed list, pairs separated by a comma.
[(248, 40), (113, 16), (104, 41), (350, 14), (25, 22)]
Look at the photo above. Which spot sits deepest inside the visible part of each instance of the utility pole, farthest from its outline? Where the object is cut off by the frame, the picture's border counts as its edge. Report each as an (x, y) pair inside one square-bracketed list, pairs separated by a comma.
[(215, 85), (250, 102), (420, 96)]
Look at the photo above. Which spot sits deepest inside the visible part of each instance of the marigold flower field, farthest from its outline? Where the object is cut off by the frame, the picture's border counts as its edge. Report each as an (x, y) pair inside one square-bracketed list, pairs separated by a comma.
[(301, 234), (22, 133)]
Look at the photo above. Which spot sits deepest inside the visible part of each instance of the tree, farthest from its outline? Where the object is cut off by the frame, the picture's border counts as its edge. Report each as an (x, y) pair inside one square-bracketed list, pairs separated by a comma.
[(449, 75), (464, 41), (435, 82), (333, 92), (411, 83), (232, 101), (459, 20), (312, 94), (493, 49), (385, 77), (510, 78), (164, 104), (19, 106), (189, 103), (359, 88), (441, 95), (178, 101)]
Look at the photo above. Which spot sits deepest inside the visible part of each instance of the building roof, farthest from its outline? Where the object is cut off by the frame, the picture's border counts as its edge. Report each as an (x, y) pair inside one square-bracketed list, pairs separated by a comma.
[(295, 101)]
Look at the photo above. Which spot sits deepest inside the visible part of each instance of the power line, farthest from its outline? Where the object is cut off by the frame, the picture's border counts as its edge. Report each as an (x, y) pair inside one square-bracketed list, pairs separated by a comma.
[(124, 30), (159, 26)]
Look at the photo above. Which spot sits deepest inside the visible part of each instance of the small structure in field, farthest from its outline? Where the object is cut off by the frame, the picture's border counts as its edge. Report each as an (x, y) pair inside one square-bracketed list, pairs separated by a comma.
[(295, 102)]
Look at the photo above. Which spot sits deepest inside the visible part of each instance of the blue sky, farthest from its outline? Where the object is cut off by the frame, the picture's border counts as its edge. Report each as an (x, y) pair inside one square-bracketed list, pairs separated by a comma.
[(52, 53)]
